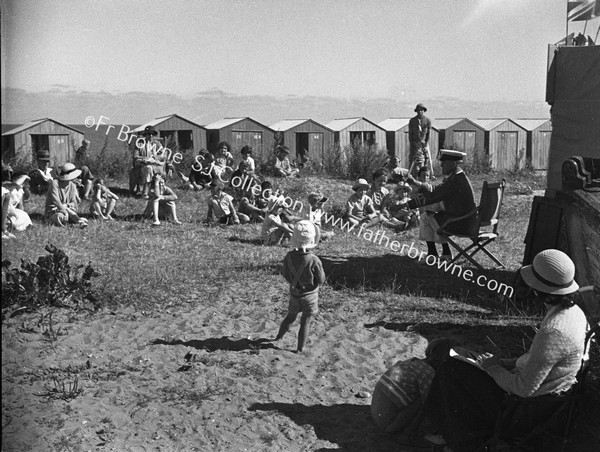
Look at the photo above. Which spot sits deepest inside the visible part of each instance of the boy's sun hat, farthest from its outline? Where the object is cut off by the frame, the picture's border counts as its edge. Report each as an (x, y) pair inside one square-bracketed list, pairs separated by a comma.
[(68, 172), (306, 235), (361, 183), (552, 272), (420, 107), (452, 155)]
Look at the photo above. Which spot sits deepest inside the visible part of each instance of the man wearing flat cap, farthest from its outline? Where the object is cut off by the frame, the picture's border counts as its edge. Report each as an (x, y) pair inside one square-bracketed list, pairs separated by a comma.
[(419, 129), (456, 194)]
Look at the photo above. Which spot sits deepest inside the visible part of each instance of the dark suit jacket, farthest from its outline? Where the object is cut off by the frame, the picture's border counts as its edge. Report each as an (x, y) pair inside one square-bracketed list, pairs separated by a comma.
[(456, 192)]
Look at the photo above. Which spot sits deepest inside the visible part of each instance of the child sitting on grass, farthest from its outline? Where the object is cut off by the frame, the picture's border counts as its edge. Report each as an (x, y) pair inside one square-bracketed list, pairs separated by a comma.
[(103, 201), (316, 201), (401, 219), (161, 204), (400, 392), (220, 204), (274, 230), (359, 207), (304, 271)]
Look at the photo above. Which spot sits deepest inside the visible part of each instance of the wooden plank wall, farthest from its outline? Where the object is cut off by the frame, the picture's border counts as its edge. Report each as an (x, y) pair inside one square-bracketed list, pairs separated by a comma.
[(198, 133)]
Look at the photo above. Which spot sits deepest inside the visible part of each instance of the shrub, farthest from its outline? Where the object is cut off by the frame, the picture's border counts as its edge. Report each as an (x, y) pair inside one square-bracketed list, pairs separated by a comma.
[(111, 163), (354, 161), (478, 162), (48, 282)]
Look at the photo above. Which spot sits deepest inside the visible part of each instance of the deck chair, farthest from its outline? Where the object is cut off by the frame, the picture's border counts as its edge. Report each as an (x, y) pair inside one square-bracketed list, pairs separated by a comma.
[(557, 429), (488, 214)]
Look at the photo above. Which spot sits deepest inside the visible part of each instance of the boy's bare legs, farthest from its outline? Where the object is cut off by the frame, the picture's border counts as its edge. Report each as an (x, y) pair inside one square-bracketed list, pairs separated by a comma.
[(98, 210), (110, 207), (285, 325), (304, 329), (174, 213), (155, 207)]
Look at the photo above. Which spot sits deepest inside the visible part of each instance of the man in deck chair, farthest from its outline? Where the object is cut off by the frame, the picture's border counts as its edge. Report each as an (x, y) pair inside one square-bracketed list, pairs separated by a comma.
[(457, 198)]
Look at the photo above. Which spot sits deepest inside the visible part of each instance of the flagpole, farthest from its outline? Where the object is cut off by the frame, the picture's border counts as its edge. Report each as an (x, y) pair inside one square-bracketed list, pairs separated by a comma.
[(567, 24)]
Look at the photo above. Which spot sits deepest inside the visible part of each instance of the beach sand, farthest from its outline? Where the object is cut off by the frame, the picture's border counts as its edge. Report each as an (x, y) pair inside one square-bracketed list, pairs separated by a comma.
[(197, 377)]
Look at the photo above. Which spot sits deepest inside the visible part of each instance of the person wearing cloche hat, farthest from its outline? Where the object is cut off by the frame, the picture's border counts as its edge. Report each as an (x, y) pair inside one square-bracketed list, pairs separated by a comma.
[(274, 231), (145, 161), (550, 366), (419, 131), (304, 272), (456, 193), (62, 198), (360, 208)]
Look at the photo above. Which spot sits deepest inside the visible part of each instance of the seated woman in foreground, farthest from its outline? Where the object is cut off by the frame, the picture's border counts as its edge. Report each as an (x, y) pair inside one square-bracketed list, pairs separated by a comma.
[(464, 400)]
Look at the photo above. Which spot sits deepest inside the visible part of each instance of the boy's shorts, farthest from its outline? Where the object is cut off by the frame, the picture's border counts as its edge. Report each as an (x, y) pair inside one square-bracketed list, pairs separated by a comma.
[(306, 305)]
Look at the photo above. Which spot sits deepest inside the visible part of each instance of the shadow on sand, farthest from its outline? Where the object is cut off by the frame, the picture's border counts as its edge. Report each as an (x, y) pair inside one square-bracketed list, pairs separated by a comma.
[(220, 343), (347, 425)]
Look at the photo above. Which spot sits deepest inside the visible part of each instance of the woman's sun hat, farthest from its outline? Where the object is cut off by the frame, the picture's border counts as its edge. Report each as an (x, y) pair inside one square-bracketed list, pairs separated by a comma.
[(551, 272), (306, 235), (68, 172), (361, 183), (20, 179), (149, 130)]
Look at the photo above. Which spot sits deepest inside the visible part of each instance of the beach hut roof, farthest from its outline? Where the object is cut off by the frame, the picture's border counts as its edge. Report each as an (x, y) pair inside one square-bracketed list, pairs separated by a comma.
[(444, 123), (340, 124), (393, 124), (531, 123), (287, 124), (489, 124), (162, 119), (34, 123)]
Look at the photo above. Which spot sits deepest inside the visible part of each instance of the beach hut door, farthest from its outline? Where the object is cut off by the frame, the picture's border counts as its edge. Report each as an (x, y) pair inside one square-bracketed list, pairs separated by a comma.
[(59, 149)]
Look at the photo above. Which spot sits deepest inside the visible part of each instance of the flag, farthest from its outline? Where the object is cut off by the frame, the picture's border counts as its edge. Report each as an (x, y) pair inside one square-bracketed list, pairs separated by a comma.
[(582, 9)]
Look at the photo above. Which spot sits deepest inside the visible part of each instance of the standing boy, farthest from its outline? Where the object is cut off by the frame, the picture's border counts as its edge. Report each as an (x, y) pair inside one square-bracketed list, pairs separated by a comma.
[(304, 271)]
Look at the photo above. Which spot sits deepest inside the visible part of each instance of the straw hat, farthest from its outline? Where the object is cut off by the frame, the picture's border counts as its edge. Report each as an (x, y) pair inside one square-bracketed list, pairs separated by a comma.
[(452, 155), (551, 272), (361, 183), (68, 172), (306, 235)]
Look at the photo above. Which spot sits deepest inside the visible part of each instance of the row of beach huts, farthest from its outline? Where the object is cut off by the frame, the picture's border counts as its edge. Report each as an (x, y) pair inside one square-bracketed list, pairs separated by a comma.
[(507, 142)]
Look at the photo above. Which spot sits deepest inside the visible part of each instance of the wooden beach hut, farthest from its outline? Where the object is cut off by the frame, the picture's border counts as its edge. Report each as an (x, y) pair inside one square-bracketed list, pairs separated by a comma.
[(539, 132), (397, 142), (349, 131), (461, 134), (505, 142), (24, 141), (177, 132), (299, 134), (239, 132)]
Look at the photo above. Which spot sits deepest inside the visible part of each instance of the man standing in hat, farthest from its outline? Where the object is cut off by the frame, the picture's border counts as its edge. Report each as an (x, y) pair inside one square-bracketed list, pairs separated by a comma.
[(42, 176), (145, 164), (419, 128), (62, 198), (456, 193)]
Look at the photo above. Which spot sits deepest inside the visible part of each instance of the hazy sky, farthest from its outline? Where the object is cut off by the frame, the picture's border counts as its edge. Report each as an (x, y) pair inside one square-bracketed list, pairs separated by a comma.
[(484, 50)]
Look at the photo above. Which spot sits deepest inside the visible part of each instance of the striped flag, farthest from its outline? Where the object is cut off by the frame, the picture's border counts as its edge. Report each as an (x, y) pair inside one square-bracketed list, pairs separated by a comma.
[(582, 9)]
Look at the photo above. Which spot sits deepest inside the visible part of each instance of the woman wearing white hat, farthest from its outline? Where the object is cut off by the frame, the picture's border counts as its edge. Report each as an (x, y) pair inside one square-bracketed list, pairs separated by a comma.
[(464, 401), (62, 198)]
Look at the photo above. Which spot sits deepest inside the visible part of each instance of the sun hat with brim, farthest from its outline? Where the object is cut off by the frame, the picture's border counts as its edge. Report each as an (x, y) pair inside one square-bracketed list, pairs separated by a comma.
[(149, 130), (361, 183), (420, 107), (42, 155), (552, 272), (68, 172), (452, 155), (306, 235)]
